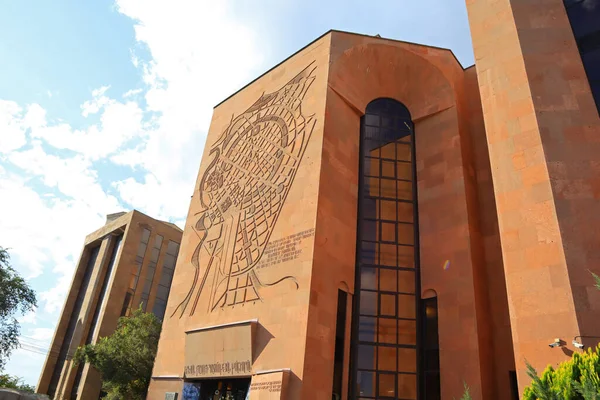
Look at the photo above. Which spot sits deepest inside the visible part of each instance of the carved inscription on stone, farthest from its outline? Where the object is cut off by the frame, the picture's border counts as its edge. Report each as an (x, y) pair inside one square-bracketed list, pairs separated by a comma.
[(219, 369), (270, 386), (285, 249), (242, 191)]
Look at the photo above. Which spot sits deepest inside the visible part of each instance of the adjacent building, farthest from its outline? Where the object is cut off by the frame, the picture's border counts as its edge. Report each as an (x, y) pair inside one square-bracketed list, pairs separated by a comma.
[(128, 262)]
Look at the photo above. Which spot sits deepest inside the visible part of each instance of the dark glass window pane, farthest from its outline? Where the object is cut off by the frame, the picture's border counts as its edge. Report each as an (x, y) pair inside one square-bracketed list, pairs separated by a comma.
[(365, 383), (369, 230), (406, 234), (592, 62), (142, 250), (406, 281), (369, 210), (387, 331), (173, 248), (368, 253), (371, 187), (404, 190), (162, 292), (372, 120), (366, 356), (407, 386), (387, 255), (404, 152), (403, 171), (387, 280), (366, 329), (371, 166), (407, 332), (584, 17), (407, 360), (406, 256), (388, 209), (387, 305), (388, 188), (145, 235), (386, 358), (387, 385), (368, 303), (368, 278), (596, 92), (388, 169), (406, 306)]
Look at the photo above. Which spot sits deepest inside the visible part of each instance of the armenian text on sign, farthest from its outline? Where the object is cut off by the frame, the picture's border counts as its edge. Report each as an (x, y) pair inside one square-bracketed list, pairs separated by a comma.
[(218, 369), (270, 386)]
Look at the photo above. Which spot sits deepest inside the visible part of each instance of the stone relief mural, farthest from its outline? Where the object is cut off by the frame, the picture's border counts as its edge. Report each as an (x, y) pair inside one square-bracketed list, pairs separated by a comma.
[(252, 168)]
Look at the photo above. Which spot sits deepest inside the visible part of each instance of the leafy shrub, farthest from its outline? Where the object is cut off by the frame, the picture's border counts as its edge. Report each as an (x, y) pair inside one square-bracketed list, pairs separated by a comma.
[(576, 379)]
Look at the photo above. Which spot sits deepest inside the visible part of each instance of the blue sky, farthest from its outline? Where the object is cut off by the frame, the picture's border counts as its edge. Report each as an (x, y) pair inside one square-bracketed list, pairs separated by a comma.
[(105, 105)]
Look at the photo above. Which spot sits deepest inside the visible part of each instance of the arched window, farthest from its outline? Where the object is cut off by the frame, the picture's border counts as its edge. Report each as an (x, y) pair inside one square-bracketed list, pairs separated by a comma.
[(385, 319), (584, 16)]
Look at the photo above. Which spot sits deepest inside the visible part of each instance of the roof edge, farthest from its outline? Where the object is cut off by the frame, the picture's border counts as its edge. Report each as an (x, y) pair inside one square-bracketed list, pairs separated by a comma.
[(321, 37)]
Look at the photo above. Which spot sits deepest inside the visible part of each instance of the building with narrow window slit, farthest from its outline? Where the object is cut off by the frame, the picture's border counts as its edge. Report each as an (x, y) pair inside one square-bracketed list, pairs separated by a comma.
[(128, 262)]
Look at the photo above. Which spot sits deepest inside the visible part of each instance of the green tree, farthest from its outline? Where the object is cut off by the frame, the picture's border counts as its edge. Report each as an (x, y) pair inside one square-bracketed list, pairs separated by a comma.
[(125, 358), (14, 382), (597, 279), (467, 394), (15, 297)]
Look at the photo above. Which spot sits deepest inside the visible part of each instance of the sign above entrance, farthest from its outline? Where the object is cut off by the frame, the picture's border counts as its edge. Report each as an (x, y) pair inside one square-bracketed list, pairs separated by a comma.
[(219, 351)]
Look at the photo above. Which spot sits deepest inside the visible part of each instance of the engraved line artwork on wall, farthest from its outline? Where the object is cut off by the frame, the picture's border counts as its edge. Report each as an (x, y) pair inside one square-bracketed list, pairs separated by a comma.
[(252, 168)]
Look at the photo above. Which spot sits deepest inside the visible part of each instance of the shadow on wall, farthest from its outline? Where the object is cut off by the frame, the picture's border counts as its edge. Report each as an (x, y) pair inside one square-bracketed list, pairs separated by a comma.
[(263, 337)]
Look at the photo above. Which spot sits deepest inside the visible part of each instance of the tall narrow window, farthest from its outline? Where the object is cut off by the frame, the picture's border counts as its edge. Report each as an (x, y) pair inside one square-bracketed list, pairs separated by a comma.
[(340, 335), (135, 274), (151, 271), (164, 285), (384, 345), (585, 22), (430, 389)]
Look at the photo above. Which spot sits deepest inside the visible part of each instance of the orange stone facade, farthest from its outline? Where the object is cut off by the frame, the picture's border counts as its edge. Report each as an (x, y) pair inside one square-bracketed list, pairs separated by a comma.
[(503, 234)]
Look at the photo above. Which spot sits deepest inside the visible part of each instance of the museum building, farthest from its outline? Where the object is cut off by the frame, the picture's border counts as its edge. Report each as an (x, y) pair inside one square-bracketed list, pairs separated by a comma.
[(371, 220)]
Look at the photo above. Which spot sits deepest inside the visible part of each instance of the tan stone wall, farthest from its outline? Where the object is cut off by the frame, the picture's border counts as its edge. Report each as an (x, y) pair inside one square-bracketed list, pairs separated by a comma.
[(542, 125), (281, 303), (502, 357), (132, 223)]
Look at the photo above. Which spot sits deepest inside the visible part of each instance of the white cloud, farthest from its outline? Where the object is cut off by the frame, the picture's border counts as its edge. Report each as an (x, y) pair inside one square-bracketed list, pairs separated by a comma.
[(29, 318), (200, 55), (119, 123), (99, 100), (12, 130), (132, 92)]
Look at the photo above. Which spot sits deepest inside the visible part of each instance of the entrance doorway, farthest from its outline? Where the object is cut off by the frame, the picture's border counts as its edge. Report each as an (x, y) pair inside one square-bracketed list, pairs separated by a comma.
[(216, 389)]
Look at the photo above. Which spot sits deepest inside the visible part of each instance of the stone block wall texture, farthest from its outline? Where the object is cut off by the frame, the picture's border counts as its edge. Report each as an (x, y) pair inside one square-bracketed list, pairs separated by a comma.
[(277, 289), (131, 225), (542, 133), (296, 318)]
